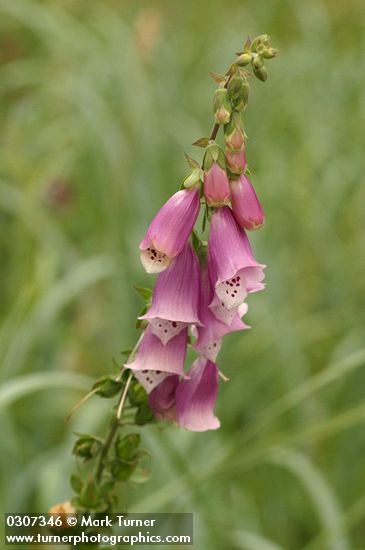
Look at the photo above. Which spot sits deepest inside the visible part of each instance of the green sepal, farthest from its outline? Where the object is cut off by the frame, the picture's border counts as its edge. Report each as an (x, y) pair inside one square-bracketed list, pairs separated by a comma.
[(201, 142), (123, 469), (137, 394), (142, 473), (126, 448), (144, 292), (218, 78), (107, 386)]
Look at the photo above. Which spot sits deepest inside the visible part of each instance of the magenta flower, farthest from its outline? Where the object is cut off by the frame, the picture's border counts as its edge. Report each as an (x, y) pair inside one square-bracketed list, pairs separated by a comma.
[(196, 397), (245, 204), (175, 302), (153, 356), (211, 332), (216, 186), (169, 230), (162, 399), (236, 161), (233, 270)]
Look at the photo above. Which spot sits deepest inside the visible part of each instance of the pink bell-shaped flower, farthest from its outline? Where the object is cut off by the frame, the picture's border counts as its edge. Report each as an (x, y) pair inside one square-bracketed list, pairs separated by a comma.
[(175, 301), (196, 397), (245, 204), (170, 229), (233, 270)]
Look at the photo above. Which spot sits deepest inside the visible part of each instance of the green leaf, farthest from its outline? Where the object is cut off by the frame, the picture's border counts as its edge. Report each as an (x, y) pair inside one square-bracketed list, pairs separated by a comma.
[(126, 353), (144, 292), (76, 483), (89, 495), (126, 448), (107, 386), (106, 487)]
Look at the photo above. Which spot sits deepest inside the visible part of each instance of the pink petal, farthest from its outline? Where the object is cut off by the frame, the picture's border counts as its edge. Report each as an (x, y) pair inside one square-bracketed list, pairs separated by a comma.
[(233, 270), (175, 301)]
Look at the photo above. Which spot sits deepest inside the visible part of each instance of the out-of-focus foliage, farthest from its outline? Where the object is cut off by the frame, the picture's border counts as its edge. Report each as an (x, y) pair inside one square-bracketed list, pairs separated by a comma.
[(99, 100)]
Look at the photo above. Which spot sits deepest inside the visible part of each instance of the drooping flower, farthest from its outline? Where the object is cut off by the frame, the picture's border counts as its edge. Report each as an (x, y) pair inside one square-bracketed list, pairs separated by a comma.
[(175, 301), (153, 360), (245, 204), (169, 230), (212, 330), (216, 183), (162, 399), (196, 397), (233, 270)]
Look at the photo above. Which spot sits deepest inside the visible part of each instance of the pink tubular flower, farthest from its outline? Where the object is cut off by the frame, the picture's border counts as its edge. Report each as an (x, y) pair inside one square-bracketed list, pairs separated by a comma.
[(196, 397), (212, 330), (152, 355), (169, 230), (175, 302), (233, 270), (236, 161), (246, 206), (162, 399), (216, 186)]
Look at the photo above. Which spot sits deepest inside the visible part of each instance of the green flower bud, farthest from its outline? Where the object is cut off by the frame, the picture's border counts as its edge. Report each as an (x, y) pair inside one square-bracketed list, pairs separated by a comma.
[(257, 62), (87, 447), (243, 59), (261, 73), (221, 106), (269, 53), (126, 448), (238, 90)]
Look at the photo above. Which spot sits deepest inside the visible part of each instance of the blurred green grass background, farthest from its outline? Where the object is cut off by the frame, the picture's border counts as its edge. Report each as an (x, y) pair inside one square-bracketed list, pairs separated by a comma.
[(99, 100)]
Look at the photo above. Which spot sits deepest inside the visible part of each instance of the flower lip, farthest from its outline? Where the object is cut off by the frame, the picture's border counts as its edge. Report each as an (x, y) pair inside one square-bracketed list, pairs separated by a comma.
[(152, 355), (196, 397)]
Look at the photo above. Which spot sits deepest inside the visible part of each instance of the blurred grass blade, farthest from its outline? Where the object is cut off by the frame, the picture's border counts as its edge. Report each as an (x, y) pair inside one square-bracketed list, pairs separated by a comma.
[(253, 541), (320, 492), (85, 274), (19, 387)]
